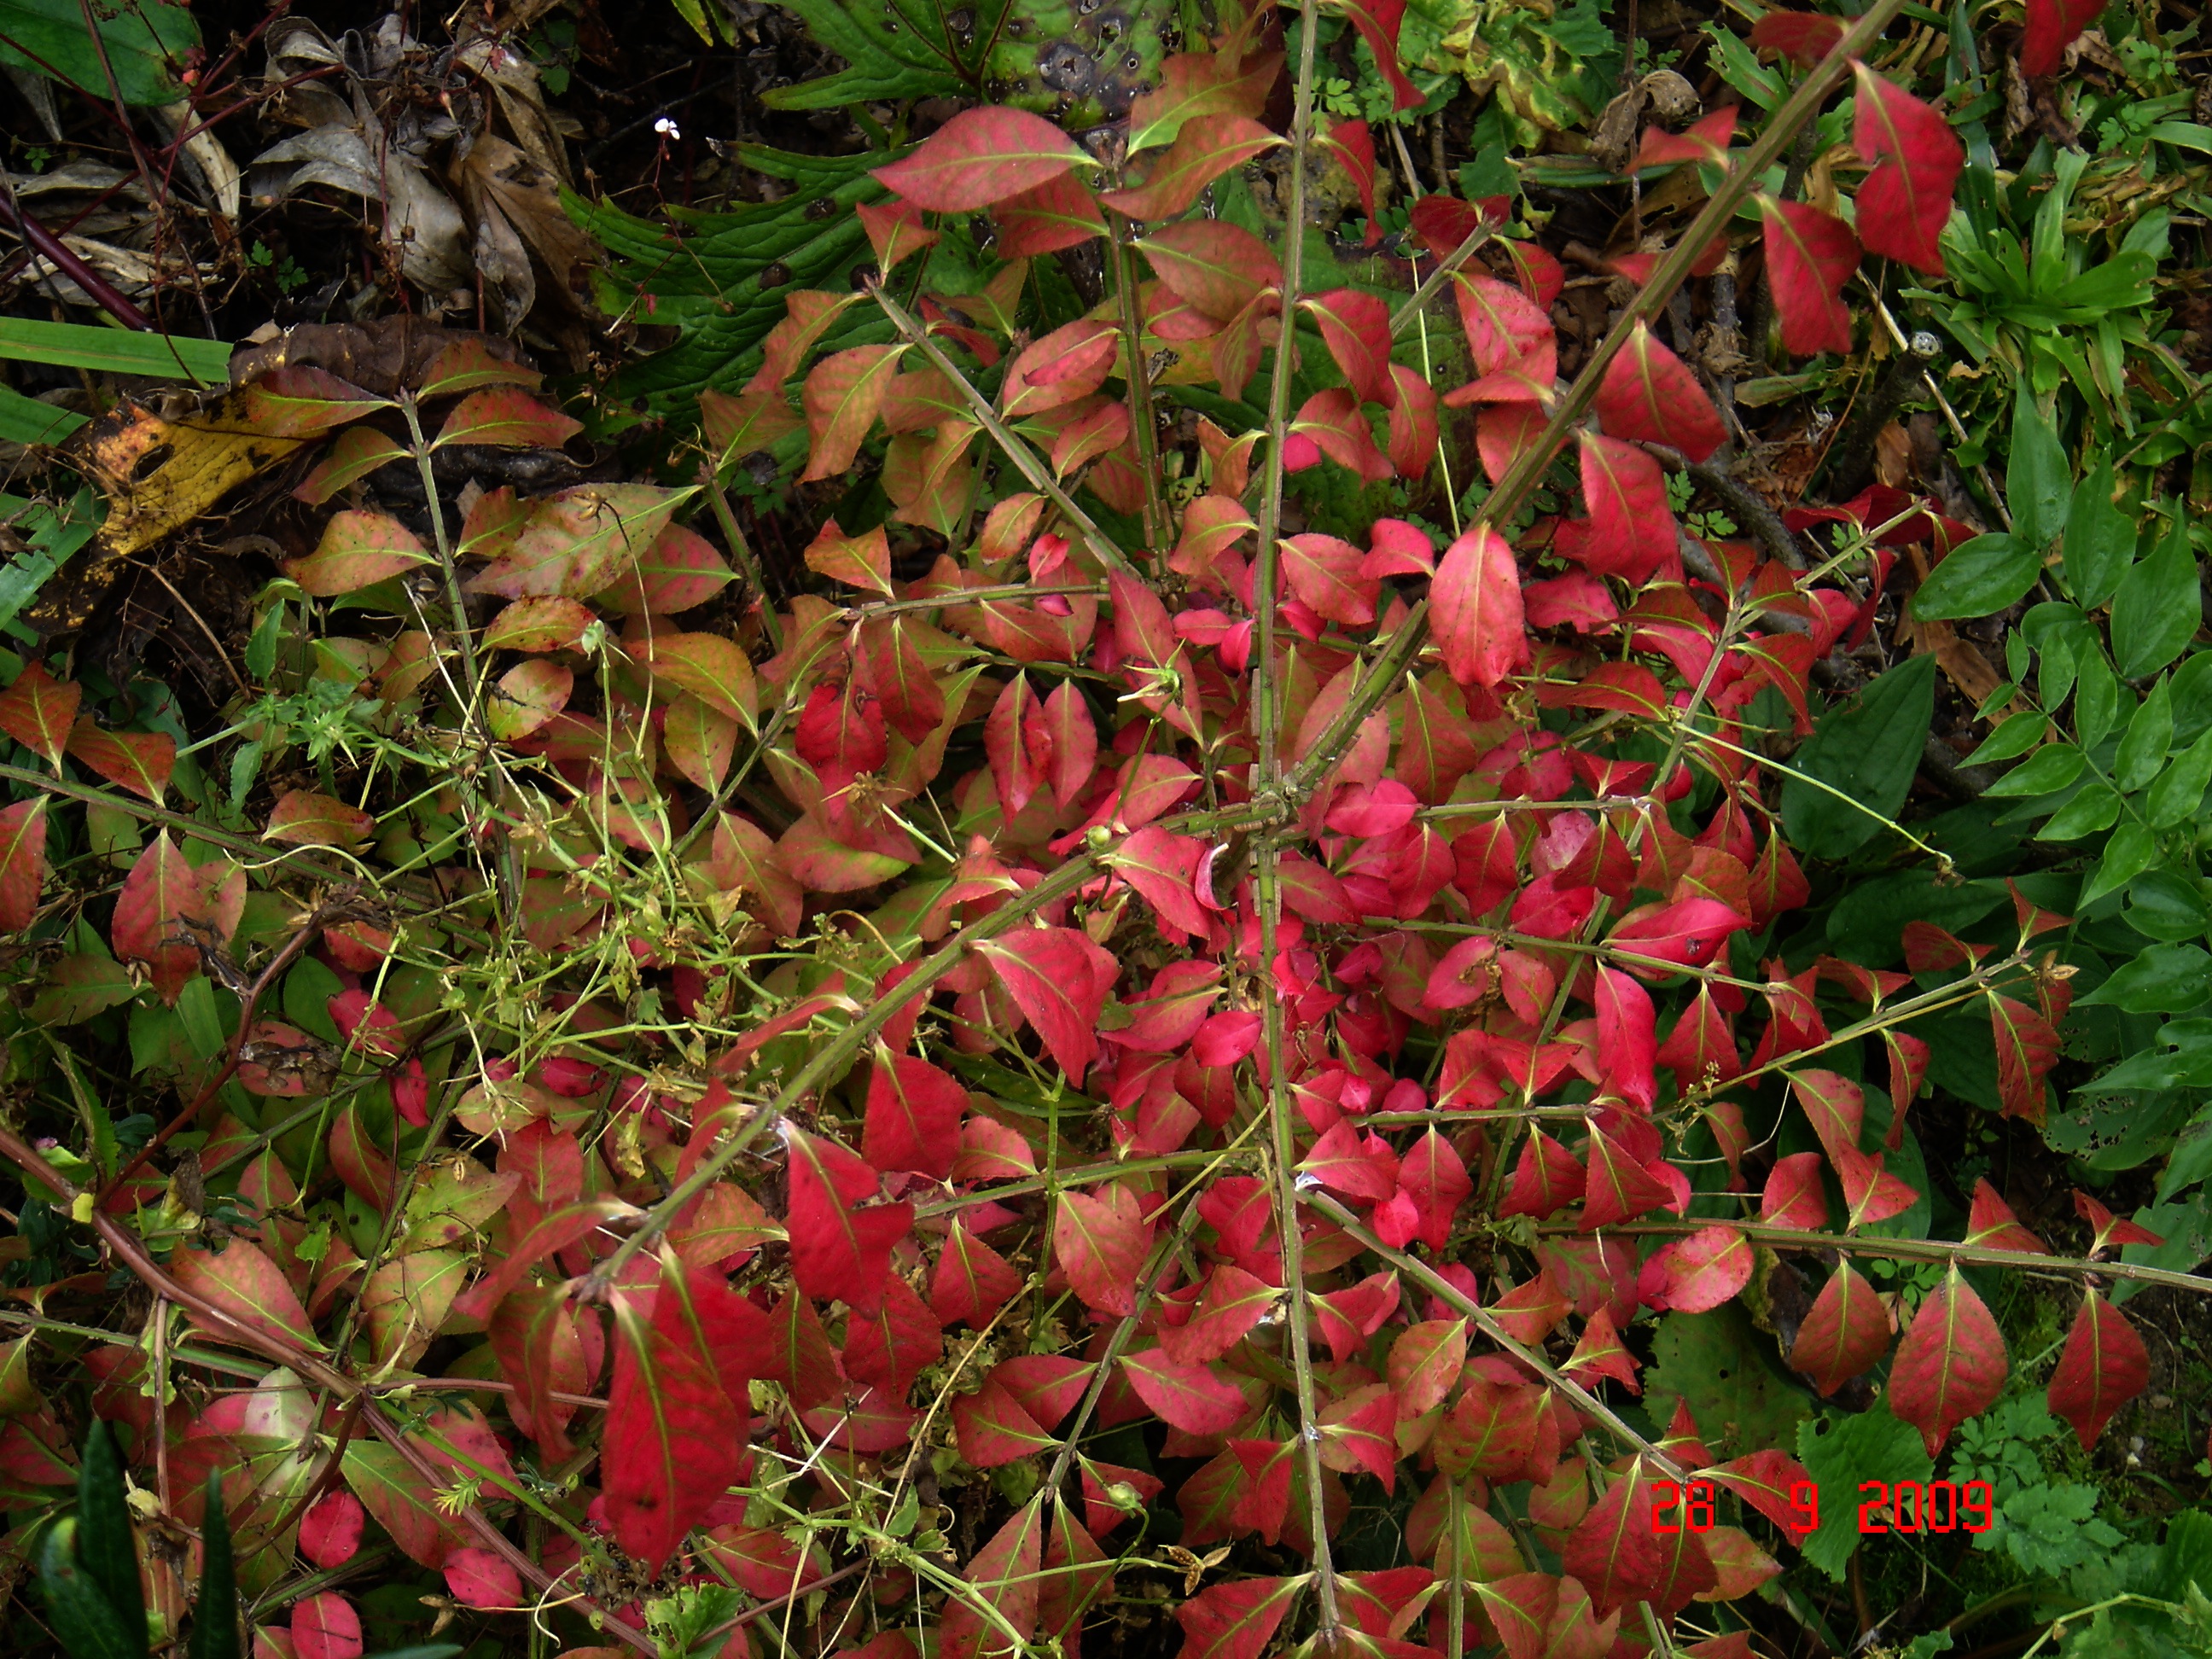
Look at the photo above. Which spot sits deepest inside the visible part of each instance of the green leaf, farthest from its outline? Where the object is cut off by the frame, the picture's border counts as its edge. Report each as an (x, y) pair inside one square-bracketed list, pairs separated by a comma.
[(2158, 607), (2143, 750), (2096, 700), (1727, 1371), (1866, 749), (2127, 855), (2165, 979), (141, 41), (2168, 904), (214, 1610), (2100, 540), (2050, 768), (2037, 478), (2097, 807), (26, 420), (2019, 734), (2049, 1530), (1977, 578), (895, 49), (89, 1626), (2180, 790), (105, 1546), (111, 351), (1840, 1453)]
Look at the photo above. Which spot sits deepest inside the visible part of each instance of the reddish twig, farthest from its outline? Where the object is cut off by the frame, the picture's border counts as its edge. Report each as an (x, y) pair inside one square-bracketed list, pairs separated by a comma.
[(97, 288)]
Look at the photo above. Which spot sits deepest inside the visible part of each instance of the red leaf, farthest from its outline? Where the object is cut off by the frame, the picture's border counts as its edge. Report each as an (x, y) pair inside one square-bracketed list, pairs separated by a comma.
[(1235, 1620), (981, 156), (1193, 1398), (1233, 1302), (972, 1281), (1475, 609), (1355, 326), (914, 1117), (1424, 1362), (1847, 1332), (895, 231), (22, 862), (1005, 1575), (1649, 395), (842, 396), (1329, 576), (1059, 980), (1353, 145), (1546, 1180), (1163, 867), (1765, 1479), (1697, 1274), (2027, 1048), (330, 1531), (991, 1428), (893, 1343), (1101, 1243), (479, 1578), (307, 819), (1793, 1197), (1504, 326), (2107, 1229), (1632, 528), (38, 712), (1810, 255), (1619, 1187), (1803, 37), (1627, 1041), (1836, 1105), (2103, 1366), (1951, 1364), (1614, 1552), (326, 1626), (162, 894), (358, 549), (1057, 214), (1705, 140), (667, 1452), (838, 1252), (1991, 1224), (1905, 200), (1434, 1177), (2053, 25), (1377, 22)]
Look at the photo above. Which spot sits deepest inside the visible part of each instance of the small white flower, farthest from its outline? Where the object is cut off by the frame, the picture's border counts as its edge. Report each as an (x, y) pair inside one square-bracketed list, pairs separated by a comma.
[(666, 127)]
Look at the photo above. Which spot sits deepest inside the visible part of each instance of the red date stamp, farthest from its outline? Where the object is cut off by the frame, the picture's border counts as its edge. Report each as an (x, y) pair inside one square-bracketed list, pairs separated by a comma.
[(1885, 1506)]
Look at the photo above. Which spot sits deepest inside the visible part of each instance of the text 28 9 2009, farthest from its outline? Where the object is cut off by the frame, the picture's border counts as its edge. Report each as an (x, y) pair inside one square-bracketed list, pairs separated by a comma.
[(1884, 1506)]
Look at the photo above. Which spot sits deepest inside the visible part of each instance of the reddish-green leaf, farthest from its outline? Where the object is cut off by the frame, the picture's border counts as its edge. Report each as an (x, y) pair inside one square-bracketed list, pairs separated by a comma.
[(2102, 1367), (1058, 214), (140, 762), (358, 549), (579, 541), (1614, 1551), (1475, 609), (526, 696), (1697, 1274), (1649, 395), (538, 625), (991, 1428), (1196, 84), (1991, 1224), (1836, 1105), (863, 560), (1355, 326), (1424, 1362), (245, 1283), (2027, 1048), (981, 156), (713, 669), (1951, 1364), (166, 905), (303, 819), (1211, 265), (38, 712), (1810, 255), (1847, 1332), (510, 418), (844, 395), (896, 231), (22, 862), (1004, 1576), (1207, 146), (1905, 202), (356, 455)]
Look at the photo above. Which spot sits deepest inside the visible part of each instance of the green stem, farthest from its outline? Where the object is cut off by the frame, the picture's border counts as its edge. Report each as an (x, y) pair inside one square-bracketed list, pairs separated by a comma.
[(1141, 421)]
